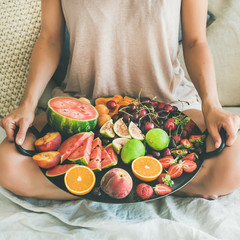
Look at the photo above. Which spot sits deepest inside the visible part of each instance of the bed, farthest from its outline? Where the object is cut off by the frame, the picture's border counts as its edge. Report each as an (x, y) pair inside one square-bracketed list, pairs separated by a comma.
[(167, 218)]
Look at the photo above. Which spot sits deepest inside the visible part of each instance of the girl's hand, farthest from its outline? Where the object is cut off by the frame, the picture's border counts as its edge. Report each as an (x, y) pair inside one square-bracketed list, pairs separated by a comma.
[(216, 118), (22, 117)]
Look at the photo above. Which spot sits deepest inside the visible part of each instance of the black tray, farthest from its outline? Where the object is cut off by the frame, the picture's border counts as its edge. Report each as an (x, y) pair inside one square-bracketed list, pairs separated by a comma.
[(97, 195)]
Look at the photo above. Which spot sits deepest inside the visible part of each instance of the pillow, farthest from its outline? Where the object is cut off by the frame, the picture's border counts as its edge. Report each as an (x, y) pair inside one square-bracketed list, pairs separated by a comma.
[(210, 19), (20, 23)]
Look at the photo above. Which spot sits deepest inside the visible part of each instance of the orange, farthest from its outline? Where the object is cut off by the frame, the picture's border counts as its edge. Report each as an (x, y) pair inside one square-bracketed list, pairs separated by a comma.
[(79, 180), (101, 108), (100, 101), (146, 168), (103, 118), (117, 98)]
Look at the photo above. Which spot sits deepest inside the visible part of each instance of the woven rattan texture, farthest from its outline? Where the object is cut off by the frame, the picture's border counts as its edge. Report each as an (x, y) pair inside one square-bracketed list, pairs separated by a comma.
[(20, 22)]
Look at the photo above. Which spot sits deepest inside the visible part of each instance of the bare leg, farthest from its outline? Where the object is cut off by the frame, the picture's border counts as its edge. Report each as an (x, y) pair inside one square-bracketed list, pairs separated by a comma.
[(22, 176), (218, 175)]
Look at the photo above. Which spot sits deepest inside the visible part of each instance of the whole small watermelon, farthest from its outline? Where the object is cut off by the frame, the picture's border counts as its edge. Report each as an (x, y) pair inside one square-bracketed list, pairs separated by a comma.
[(69, 115)]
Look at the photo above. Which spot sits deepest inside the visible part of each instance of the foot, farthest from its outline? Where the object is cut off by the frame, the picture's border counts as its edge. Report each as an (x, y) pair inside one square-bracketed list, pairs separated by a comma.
[(205, 196)]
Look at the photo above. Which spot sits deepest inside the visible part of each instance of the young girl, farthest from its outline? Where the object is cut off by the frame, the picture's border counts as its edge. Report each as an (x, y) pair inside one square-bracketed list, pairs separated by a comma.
[(119, 47)]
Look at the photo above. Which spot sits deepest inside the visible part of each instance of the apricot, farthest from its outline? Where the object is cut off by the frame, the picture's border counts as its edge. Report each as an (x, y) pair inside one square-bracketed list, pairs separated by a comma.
[(129, 99), (101, 108), (85, 100), (100, 100), (117, 98), (125, 103), (103, 118)]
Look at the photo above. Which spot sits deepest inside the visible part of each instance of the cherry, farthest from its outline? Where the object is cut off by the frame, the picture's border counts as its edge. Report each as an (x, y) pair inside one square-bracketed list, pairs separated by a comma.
[(184, 134), (135, 117), (149, 126), (168, 108), (126, 117), (166, 152), (115, 117), (156, 154), (132, 107), (111, 104), (122, 109), (177, 139), (172, 143), (161, 106), (145, 100), (170, 125), (106, 141), (142, 113), (155, 103)]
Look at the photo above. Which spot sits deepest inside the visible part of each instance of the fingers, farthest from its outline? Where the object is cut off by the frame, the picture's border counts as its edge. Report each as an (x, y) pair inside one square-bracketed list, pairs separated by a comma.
[(232, 128), (214, 132), (9, 125), (23, 127)]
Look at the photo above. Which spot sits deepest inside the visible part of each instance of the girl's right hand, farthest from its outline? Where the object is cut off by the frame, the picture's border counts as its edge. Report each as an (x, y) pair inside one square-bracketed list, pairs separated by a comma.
[(22, 117)]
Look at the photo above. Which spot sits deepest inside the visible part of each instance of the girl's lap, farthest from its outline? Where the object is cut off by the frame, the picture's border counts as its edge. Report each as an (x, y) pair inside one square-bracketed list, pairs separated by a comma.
[(22, 176)]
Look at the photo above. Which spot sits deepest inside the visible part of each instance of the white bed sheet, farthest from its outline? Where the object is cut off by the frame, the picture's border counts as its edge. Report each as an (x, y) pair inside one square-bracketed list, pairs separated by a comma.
[(168, 218)]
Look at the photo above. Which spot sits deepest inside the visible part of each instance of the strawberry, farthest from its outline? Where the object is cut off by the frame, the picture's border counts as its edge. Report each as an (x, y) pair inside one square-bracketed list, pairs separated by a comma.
[(197, 139), (167, 161), (175, 170), (144, 191), (191, 157), (179, 152), (189, 166), (166, 179), (162, 189), (185, 143)]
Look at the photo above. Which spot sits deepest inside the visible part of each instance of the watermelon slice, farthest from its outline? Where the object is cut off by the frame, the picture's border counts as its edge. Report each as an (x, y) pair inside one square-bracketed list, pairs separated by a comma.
[(111, 152), (70, 115), (82, 154), (59, 170), (71, 144), (95, 160), (107, 161)]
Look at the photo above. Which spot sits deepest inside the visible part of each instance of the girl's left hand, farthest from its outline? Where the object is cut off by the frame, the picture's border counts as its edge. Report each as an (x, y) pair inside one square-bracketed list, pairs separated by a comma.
[(216, 118)]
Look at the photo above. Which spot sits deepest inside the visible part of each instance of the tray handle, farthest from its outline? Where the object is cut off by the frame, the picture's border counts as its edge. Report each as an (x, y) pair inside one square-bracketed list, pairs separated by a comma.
[(217, 151), (19, 148)]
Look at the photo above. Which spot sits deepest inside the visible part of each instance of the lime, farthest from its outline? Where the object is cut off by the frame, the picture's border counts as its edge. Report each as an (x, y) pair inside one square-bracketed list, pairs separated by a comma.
[(118, 143), (107, 129), (135, 132), (131, 150), (157, 139), (121, 129)]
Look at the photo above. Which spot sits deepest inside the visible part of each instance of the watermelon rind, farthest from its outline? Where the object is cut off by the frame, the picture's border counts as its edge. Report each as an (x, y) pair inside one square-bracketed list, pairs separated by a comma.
[(71, 144), (59, 170), (82, 154), (68, 126)]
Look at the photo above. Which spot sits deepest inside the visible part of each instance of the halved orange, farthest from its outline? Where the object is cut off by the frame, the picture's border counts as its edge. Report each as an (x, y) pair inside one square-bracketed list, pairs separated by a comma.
[(146, 168), (79, 180)]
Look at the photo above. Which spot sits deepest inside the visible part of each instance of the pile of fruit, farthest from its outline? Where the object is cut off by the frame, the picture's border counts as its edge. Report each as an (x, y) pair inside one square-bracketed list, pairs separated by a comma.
[(146, 141)]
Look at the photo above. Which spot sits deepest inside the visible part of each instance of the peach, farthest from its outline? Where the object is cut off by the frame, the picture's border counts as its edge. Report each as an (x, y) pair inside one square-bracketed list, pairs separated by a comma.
[(47, 159), (50, 142), (117, 183)]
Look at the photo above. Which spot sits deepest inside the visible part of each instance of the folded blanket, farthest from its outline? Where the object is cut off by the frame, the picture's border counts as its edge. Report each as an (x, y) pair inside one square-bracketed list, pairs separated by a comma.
[(167, 218)]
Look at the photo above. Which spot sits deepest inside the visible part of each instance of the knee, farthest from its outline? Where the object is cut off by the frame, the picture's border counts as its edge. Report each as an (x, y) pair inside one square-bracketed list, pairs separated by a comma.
[(12, 175), (224, 173)]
